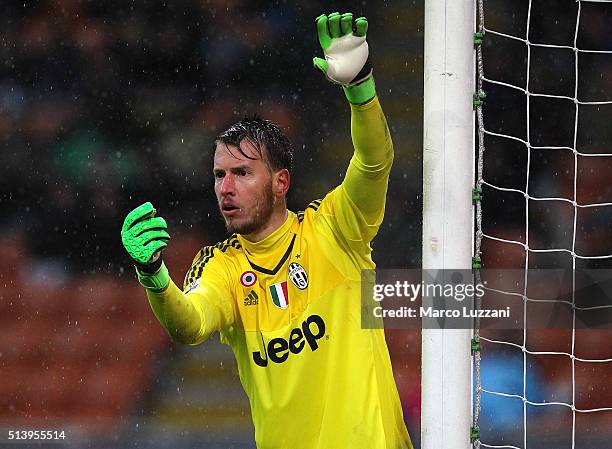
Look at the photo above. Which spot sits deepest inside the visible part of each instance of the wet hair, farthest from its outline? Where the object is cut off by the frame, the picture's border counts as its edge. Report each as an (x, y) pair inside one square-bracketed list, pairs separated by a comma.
[(263, 133)]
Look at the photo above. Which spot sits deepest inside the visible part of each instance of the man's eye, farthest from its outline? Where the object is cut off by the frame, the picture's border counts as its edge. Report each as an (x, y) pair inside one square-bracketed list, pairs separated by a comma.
[(242, 172), (219, 175)]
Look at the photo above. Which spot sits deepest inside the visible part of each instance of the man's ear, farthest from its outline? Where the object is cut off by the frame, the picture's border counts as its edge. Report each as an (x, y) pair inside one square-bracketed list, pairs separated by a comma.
[(282, 181)]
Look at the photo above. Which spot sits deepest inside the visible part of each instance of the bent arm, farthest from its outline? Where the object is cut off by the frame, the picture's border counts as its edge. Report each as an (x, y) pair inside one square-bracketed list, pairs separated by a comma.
[(191, 318)]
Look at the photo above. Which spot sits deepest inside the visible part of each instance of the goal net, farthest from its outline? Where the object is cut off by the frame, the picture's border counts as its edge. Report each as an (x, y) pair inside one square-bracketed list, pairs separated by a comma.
[(544, 201)]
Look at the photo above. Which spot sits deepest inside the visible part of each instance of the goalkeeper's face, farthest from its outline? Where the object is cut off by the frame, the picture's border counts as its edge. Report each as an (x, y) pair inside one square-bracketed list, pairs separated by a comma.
[(251, 196)]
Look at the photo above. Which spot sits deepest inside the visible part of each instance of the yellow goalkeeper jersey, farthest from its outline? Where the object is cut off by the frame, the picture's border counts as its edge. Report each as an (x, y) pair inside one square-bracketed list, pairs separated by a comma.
[(290, 308)]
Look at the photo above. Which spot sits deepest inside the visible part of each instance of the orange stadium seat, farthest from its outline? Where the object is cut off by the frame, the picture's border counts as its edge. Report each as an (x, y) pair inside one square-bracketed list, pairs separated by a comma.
[(10, 387), (593, 343), (14, 253), (73, 343), (179, 255), (593, 385), (556, 340), (78, 353), (13, 342), (98, 296), (11, 303), (57, 388), (109, 390)]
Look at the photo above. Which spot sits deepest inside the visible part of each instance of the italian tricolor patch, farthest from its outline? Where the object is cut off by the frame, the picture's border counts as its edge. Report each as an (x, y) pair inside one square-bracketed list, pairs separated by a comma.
[(279, 294)]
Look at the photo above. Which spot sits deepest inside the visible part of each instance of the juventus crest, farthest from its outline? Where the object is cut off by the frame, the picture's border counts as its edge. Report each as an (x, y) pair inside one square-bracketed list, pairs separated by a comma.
[(298, 275)]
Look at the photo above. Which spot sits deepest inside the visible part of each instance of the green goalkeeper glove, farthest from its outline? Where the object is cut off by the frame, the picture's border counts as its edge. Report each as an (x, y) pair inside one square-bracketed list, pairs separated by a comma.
[(346, 55), (144, 237)]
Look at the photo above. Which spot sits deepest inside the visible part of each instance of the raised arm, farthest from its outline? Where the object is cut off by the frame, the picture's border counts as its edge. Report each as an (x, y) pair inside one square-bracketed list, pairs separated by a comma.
[(363, 191), (368, 173), (191, 317)]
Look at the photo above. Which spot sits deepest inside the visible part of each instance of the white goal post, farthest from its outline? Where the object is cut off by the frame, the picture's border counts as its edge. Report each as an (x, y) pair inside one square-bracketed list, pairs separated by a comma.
[(577, 99), (448, 173)]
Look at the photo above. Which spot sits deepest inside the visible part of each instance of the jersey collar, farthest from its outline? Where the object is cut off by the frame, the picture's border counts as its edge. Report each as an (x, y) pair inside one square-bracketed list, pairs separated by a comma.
[(279, 238)]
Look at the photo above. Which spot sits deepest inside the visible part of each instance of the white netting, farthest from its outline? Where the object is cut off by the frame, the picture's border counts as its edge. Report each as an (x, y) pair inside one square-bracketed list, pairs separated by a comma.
[(556, 216)]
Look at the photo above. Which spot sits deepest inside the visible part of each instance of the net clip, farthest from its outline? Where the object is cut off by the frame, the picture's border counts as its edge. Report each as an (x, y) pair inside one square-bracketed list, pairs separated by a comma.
[(474, 433), (478, 99), (475, 345), (478, 37), (476, 194), (476, 262)]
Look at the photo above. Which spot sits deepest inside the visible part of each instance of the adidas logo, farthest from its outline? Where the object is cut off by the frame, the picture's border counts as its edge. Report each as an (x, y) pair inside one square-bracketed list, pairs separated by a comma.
[(252, 299)]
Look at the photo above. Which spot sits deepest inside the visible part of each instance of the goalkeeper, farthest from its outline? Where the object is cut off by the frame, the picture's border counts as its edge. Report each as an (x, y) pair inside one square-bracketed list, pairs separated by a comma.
[(284, 290)]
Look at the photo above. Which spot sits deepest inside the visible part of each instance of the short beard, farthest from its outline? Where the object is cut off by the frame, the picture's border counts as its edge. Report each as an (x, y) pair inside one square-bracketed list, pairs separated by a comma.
[(264, 209)]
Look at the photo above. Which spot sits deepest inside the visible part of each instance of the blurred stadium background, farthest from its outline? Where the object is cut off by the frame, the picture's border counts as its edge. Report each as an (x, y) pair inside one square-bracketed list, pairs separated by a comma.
[(107, 104)]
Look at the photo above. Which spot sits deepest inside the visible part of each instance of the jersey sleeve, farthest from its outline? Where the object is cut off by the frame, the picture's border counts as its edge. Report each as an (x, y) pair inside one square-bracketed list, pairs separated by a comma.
[(205, 305), (356, 207)]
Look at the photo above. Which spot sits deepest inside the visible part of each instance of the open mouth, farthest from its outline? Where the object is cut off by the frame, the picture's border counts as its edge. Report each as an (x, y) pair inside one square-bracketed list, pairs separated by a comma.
[(229, 210)]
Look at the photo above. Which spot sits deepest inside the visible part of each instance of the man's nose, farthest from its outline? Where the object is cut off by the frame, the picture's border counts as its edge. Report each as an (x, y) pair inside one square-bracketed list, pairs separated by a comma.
[(227, 185)]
